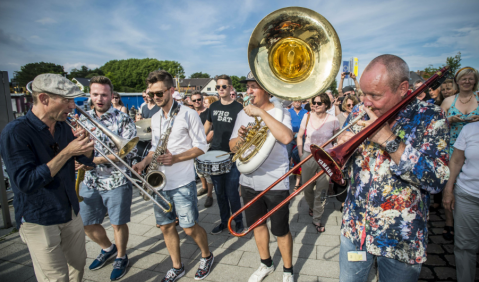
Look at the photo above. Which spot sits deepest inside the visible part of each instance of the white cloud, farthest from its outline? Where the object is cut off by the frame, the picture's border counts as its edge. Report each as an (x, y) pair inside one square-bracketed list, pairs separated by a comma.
[(46, 21)]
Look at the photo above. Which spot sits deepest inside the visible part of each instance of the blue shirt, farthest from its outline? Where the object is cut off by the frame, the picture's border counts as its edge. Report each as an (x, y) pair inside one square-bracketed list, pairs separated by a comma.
[(26, 146), (296, 118)]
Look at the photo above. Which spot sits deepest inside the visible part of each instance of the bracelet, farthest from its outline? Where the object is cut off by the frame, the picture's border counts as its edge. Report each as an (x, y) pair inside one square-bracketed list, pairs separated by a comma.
[(387, 139)]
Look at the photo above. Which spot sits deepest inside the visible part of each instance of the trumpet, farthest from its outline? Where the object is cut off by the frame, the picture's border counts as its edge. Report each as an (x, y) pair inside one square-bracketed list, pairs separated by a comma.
[(333, 160), (124, 147)]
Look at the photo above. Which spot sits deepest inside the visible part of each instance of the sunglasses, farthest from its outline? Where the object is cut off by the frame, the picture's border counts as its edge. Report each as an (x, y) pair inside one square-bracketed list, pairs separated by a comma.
[(197, 100), (350, 105), (116, 98), (157, 94), (317, 103), (221, 86)]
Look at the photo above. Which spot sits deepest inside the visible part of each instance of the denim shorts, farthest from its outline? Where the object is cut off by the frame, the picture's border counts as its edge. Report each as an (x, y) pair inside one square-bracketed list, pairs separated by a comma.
[(185, 205), (116, 202)]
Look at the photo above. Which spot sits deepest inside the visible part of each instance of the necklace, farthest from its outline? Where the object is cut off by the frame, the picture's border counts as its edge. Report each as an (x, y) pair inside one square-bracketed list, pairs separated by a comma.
[(470, 97)]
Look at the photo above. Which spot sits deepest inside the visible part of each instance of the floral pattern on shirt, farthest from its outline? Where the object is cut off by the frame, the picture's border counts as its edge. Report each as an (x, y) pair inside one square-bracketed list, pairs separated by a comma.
[(106, 176), (388, 203)]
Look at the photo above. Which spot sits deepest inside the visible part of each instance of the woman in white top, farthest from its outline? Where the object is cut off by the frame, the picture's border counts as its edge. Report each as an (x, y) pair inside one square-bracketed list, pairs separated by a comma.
[(318, 129), (461, 195), (117, 103)]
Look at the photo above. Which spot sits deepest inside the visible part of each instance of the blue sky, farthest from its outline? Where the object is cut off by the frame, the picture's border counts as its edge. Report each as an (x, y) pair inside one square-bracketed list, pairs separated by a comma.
[(212, 36)]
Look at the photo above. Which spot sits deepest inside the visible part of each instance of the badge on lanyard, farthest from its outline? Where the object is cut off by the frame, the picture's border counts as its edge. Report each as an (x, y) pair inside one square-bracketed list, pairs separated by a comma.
[(357, 256)]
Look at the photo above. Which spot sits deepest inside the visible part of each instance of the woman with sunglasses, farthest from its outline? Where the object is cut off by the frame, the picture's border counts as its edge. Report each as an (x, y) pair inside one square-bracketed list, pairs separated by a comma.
[(347, 106), (117, 103), (318, 128)]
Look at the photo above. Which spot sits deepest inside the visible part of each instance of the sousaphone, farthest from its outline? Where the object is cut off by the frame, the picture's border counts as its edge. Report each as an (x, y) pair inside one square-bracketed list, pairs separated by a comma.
[(294, 53)]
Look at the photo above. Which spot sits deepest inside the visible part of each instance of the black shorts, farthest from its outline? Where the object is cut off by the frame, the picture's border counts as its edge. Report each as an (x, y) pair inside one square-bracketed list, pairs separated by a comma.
[(279, 219)]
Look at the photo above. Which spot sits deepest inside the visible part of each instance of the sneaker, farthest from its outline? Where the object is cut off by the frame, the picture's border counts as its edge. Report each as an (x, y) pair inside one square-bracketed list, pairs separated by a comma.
[(261, 273), (174, 274), (119, 268), (205, 267), (239, 227), (208, 202), (102, 258), (202, 192), (218, 229), (288, 277)]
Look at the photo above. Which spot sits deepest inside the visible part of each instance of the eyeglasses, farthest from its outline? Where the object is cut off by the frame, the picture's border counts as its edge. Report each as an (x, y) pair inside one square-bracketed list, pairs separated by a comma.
[(56, 148), (116, 98), (221, 86), (317, 103), (197, 100)]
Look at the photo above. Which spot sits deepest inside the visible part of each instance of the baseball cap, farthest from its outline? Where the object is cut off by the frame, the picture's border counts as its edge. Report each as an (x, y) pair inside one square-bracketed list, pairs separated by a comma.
[(347, 89), (56, 84), (249, 77)]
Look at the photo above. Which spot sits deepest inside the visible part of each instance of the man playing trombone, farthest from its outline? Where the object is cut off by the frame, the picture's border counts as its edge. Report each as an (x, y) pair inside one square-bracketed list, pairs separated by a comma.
[(186, 141), (275, 166), (393, 174), (39, 151), (105, 189)]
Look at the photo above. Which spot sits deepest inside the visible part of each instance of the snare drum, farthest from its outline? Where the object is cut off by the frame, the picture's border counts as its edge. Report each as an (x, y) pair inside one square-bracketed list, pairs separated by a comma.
[(209, 164)]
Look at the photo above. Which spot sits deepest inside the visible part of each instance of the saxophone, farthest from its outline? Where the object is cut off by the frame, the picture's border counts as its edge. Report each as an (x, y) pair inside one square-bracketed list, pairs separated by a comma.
[(154, 177)]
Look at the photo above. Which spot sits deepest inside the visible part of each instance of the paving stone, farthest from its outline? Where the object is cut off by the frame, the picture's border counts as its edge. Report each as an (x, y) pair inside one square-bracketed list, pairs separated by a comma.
[(438, 239), (445, 272), (242, 244), (16, 253), (135, 274), (316, 239), (316, 268), (426, 273), (15, 272), (145, 259), (449, 248), (225, 256), (451, 259), (139, 229), (435, 217), (304, 251), (225, 272), (434, 249), (329, 253), (434, 260), (438, 224), (436, 231), (100, 275)]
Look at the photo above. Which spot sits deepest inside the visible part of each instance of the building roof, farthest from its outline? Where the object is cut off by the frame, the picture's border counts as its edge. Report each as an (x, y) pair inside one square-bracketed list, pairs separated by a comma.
[(194, 82), (413, 77), (82, 81)]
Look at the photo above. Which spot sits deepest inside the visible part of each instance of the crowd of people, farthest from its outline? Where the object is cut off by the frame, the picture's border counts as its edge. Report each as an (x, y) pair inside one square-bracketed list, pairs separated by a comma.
[(428, 149)]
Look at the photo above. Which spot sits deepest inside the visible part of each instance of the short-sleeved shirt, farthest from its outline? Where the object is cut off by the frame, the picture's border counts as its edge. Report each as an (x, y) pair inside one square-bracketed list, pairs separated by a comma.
[(148, 113), (105, 176), (296, 118), (468, 141), (318, 131), (275, 165), (187, 133), (223, 118)]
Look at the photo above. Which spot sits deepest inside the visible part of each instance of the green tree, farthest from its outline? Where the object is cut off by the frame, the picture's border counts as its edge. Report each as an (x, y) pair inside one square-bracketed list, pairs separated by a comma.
[(29, 71), (199, 75), (235, 80), (130, 74), (454, 64), (84, 72)]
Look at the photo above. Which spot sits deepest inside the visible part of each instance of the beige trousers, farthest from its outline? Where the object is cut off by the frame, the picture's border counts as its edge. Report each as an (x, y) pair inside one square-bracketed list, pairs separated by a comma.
[(312, 192), (58, 251)]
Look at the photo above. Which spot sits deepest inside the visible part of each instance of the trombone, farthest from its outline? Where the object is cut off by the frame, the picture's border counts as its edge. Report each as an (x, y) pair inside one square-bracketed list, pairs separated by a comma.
[(124, 147)]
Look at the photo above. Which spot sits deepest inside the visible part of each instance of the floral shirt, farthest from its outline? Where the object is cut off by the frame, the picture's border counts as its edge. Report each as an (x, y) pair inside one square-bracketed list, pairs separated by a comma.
[(106, 176), (387, 206)]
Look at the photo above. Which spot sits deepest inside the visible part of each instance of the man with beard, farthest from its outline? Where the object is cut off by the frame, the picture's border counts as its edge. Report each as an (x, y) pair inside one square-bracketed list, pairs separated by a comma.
[(39, 151), (186, 141), (105, 189), (222, 115)]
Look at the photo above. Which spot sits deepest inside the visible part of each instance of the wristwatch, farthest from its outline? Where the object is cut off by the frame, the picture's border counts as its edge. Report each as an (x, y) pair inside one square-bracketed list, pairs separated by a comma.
[(393, 145)]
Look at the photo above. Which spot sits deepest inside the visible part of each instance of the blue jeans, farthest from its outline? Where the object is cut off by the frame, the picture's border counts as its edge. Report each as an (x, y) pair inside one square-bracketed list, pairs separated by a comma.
[(226, 189), (293, 153), (185, 205), (390, 270)]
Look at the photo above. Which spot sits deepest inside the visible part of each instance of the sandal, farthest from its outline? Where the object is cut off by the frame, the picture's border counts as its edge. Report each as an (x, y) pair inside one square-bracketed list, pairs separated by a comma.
[(310, 212), (449, 234), (319, 228)]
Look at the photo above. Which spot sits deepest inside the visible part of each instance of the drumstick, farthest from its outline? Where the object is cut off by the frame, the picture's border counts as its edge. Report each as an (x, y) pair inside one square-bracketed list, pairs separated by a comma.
[(224, 154)]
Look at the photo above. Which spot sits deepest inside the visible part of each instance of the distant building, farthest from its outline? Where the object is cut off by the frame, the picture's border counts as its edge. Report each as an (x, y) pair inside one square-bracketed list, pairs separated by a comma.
[(190, 85), (81, 82)]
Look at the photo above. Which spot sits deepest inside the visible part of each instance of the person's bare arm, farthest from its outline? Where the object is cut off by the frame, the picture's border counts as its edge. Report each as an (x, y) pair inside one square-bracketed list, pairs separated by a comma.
[(207, 127), (299, 141), (455, 164), (280, 132), (209, 137)]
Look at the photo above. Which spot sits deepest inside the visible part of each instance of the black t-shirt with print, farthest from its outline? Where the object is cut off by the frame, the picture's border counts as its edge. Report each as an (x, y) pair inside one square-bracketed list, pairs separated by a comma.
[(223, 118)]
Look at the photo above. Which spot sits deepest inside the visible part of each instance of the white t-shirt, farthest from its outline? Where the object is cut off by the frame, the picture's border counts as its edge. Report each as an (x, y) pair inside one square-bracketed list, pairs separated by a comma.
[(275, 165), (187, 132), (319, 131), (332, 111), (468, 141)]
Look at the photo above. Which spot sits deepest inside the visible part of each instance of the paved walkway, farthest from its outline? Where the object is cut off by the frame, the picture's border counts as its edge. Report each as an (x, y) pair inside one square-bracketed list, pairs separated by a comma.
[(315, 256)]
